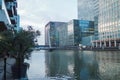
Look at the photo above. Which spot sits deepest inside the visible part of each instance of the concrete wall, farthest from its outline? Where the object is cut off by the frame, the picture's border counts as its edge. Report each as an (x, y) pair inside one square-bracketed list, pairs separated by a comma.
[(3, 17), (3, 13)]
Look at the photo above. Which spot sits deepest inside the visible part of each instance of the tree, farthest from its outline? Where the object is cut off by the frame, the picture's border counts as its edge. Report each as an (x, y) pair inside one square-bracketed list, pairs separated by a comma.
[(18, 45), (6, 40)]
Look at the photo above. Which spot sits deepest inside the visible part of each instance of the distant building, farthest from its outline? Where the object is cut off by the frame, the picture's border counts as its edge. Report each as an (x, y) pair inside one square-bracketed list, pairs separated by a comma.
[(62, 34), (108, 18), (56, 34), (8, 15), (86, 32), (80, 32), (74, 37)]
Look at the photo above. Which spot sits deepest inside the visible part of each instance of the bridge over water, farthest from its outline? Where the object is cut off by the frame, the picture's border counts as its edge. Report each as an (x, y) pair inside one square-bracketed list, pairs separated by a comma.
[(44, 47)]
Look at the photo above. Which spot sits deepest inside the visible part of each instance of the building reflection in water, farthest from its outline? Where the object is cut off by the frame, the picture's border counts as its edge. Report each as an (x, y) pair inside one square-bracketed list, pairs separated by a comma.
[(58, 63), (77, 64), (80, 65), (109, 64)]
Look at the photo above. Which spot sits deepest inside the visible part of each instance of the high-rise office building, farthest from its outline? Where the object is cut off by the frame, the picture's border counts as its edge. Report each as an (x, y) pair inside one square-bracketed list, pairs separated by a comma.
[(107, 28), (85, 10), (108, 23), (96, 14)]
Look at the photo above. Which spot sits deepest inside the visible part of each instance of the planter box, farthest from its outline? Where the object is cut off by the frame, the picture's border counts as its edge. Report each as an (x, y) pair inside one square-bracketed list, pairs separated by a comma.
[(19, 71)]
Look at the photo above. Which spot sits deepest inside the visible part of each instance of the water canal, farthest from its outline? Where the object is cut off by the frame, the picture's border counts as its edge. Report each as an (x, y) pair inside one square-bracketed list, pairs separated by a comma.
[(77, 65)]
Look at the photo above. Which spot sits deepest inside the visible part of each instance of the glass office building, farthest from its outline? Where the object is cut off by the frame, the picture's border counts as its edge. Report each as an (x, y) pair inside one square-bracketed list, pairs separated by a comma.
[(85, 10), (56, 34), (73, 33), (96, 14), (108, 23), (79, 32), (86, 32), (107, 28)]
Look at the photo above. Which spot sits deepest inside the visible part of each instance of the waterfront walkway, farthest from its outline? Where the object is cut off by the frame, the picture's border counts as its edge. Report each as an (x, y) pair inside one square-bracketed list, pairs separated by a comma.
[(9, 63)]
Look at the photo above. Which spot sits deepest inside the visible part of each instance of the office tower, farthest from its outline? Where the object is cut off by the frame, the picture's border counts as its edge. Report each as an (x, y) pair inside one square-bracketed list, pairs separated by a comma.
[(56, 34), (86, 32), (96, 14), (85, 10), (108, 23), (73, 33), (80, 32)]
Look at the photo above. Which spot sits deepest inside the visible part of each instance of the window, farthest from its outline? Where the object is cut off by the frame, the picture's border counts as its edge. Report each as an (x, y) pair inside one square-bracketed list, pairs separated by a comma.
[(0, 6)]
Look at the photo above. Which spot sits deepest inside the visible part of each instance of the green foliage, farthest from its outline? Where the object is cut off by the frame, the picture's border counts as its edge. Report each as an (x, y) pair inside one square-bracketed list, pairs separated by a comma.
[(18, 45), (6, 40)]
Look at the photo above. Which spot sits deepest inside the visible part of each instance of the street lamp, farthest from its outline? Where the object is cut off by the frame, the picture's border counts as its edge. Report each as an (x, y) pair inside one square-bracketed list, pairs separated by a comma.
[(5, 58)]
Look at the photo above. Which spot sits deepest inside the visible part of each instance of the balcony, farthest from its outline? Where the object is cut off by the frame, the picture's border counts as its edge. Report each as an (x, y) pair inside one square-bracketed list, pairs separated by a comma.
[(10, 12), (9, 0), (13, 20), (15, 10), (11, 8)]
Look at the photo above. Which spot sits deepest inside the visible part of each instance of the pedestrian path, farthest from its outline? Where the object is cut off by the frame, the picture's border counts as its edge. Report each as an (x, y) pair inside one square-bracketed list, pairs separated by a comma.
[(1, 68), (45, 79), (9, 63)]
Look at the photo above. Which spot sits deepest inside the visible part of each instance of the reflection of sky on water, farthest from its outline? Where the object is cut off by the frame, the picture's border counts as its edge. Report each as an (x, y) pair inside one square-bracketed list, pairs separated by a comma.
[(88, 57), (84, 74), (80, 65), (37, 67), (62, 62)]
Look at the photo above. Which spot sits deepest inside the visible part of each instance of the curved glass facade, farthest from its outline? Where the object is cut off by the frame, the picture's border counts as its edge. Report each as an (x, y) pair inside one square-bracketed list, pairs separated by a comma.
[(56, 34)]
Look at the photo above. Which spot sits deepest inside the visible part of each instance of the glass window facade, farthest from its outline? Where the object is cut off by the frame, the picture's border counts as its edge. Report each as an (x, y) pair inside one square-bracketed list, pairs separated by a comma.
[(56, 34), (86, 28), (0, 4), (86, 31), (73, 33), (85, 10), (77, 29), (109, 19), (107, 23), (70, 33)]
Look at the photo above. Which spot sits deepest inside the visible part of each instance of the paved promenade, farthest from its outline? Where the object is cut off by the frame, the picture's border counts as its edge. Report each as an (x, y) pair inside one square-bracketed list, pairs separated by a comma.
[(10, 62)]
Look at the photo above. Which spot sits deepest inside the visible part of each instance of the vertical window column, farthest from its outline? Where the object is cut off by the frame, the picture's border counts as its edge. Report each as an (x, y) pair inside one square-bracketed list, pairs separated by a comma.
[(115, 43), (100, 44), (109, 43)]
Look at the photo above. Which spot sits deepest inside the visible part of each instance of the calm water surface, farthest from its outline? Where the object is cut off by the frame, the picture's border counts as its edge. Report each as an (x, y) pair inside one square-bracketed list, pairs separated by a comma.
[(78, 65)]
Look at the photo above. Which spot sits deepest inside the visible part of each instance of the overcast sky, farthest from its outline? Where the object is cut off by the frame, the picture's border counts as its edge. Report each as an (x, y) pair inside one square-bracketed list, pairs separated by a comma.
[(39, 12)]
